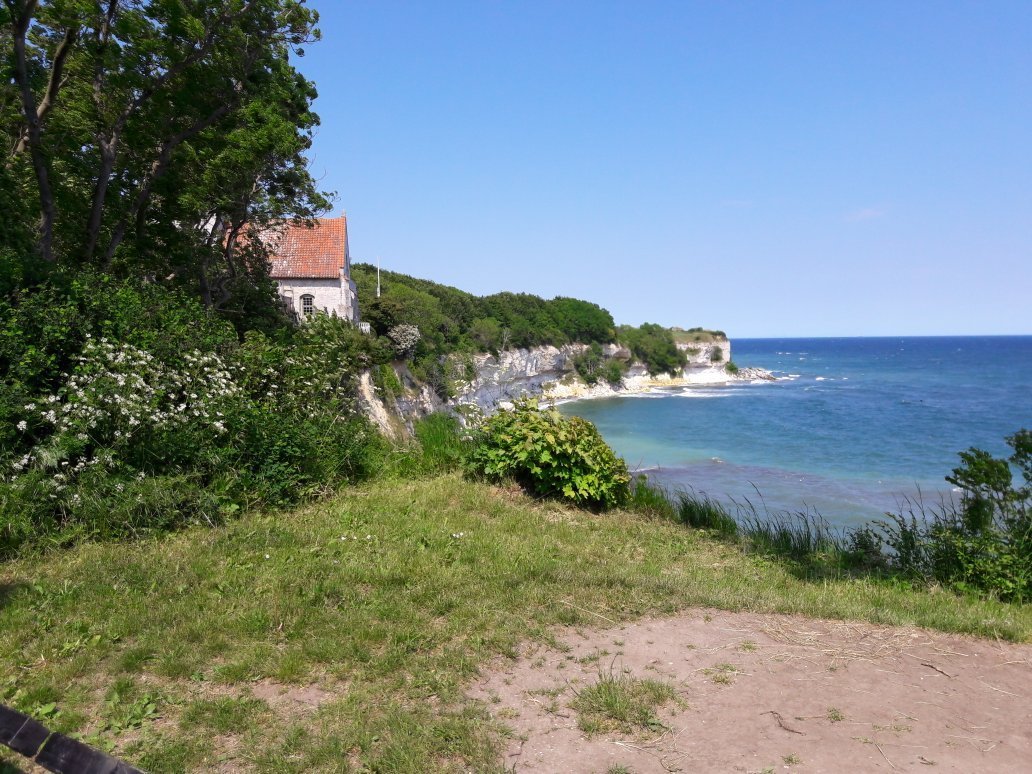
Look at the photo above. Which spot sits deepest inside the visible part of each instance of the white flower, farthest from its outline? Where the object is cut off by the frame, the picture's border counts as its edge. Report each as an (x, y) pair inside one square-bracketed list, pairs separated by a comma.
[(23, 426)]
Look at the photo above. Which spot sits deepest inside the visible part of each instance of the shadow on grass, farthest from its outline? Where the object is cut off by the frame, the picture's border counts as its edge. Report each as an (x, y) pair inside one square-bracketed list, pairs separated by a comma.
[(7, 591)]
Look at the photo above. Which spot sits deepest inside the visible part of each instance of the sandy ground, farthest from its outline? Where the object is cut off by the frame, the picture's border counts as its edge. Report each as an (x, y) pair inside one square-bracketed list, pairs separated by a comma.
[(773, 693)]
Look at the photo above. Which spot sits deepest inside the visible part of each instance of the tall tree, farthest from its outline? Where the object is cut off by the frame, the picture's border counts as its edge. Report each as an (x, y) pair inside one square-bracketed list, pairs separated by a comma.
[(150, 131)]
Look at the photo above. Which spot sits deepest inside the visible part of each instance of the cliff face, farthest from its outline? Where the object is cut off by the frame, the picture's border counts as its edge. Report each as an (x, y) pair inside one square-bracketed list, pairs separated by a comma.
[(517, 372), (548, 372), (706, 354)]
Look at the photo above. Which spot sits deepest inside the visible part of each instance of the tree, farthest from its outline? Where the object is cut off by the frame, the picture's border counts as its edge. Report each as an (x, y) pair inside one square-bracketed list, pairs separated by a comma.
[(158, 136), (654, 346)]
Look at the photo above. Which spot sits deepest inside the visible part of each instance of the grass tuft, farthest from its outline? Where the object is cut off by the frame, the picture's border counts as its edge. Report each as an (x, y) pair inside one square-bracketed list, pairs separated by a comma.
[(621, 703)]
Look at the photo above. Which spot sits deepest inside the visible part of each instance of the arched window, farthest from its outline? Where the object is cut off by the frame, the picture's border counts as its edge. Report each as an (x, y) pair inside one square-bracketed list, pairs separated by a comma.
[(307, 305)]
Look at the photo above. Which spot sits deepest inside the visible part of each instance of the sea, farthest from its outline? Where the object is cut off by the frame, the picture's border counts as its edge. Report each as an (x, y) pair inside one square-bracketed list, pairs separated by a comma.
[(850, 429)]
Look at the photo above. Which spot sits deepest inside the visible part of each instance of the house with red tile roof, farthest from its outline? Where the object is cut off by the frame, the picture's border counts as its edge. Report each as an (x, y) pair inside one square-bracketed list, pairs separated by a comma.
[(312, 266)]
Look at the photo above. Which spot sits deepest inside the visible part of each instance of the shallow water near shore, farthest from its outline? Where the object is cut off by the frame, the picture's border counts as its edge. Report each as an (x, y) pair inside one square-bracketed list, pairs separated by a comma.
[(851, 427)]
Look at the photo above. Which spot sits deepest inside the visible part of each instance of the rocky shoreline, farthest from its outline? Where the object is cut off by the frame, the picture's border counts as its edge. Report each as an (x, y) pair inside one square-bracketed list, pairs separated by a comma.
[(714, 376)]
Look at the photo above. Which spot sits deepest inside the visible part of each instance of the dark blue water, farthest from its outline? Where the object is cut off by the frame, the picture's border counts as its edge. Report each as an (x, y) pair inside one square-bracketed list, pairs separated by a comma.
[(851, 426)]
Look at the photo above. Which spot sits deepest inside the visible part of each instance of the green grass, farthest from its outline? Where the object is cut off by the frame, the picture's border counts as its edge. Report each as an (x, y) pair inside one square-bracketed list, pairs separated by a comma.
[(696, 336), (621, 703), (157, 648)]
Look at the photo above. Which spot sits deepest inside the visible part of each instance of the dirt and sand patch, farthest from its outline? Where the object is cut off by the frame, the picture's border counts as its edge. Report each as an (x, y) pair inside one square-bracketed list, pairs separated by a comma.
[(766, 693)]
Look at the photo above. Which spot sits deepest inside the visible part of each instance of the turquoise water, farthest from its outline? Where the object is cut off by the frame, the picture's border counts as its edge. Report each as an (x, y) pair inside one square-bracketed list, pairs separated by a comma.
[(850, 428)]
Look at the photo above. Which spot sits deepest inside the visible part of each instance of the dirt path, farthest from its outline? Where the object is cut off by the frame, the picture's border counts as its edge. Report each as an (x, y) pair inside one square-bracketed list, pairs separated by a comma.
[(773, 693)]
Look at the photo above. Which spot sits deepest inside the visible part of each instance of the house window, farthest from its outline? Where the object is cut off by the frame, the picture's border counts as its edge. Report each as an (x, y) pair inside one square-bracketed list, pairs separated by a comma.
[(307, 305)]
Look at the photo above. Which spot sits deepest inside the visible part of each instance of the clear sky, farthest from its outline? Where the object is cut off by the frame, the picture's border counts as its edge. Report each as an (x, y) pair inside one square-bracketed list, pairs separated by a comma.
[(768, 168)]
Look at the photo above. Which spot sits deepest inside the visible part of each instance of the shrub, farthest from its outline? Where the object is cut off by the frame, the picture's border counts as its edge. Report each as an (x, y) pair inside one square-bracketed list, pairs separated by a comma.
[(716, 355), (982, 544), (588, 364), (386, 381), (106, 437), (441, 443), (550, 455), (613, 371), (654, 346), (405, 338), (732, 368)]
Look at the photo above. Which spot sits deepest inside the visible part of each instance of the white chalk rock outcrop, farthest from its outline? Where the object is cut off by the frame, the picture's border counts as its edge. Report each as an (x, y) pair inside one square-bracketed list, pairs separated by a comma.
[(515, 373)]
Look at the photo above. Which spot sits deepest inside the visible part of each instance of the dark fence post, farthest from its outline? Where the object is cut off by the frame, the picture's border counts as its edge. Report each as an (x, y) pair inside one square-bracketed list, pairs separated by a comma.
[(55, 752)]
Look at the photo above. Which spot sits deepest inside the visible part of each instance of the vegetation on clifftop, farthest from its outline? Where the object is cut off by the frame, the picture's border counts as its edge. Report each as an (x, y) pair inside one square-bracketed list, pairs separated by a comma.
[(452, 320), (654, 346)]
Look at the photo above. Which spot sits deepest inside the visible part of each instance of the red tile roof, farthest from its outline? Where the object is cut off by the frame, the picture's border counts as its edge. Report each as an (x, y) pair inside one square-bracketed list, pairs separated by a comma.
[(319, 252)]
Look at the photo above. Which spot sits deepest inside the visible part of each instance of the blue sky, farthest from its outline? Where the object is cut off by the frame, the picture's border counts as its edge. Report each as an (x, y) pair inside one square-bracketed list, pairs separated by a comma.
[(772, 169)]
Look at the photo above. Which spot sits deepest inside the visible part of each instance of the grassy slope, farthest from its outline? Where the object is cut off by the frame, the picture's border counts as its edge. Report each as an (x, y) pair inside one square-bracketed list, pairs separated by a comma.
[(392, 626), (696, 336)]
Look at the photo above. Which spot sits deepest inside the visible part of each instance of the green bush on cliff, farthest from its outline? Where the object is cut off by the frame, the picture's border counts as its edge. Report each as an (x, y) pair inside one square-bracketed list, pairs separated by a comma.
[(654, 346), (452, 320), (551, 456), (614, 370), (589, 363)]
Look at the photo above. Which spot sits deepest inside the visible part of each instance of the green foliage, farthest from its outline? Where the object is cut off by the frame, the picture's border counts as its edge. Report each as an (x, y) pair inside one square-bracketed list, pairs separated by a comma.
[(452, 320), (984, 544), (144, 140), (613, 370), (654, 346), (386, 381), (589, 363), (592, 366), (716, 355), (441, 443), (551, 455), (731, 367), (130, 408)]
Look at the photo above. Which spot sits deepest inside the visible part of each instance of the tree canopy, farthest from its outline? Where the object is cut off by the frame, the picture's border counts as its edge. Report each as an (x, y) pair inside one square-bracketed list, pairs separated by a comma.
[(454, 320), (143, 136)]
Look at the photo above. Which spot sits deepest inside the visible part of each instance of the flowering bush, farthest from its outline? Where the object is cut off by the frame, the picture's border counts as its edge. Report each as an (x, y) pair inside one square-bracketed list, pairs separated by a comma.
[(128, 438), (405, 338)]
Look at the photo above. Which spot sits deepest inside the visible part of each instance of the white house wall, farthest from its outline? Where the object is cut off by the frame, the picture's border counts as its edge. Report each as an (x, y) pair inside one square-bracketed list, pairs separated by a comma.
[(328, 295)]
